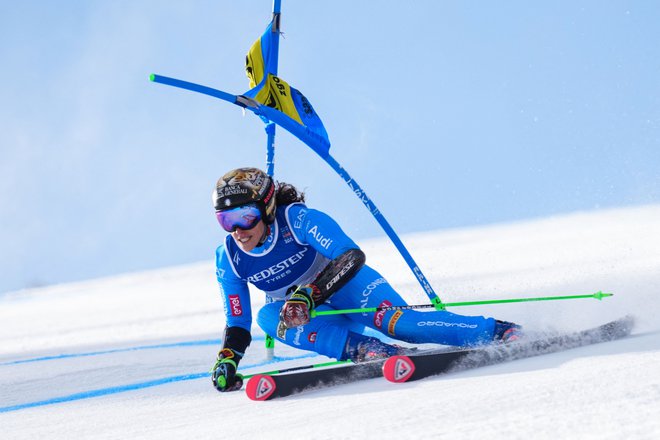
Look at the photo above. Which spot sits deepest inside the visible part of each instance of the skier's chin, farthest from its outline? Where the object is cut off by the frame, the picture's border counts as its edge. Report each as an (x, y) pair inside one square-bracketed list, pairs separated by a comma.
[(248, 246), (248, 239)]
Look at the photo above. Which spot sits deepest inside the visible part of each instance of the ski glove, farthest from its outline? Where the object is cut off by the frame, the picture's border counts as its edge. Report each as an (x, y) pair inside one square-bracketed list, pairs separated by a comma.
[(224, 373), (335, 275), (296, 310)]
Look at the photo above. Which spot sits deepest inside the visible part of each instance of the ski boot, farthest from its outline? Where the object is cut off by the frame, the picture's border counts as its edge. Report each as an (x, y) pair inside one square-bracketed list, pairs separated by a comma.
[(507, 332), (361, 348)]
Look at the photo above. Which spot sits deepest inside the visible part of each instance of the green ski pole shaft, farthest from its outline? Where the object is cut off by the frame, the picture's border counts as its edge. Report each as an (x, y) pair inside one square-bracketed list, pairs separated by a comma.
[(598, 295)]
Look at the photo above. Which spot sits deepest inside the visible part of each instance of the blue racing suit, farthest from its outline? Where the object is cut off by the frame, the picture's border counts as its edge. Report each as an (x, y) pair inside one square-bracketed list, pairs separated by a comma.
[(299, 245)]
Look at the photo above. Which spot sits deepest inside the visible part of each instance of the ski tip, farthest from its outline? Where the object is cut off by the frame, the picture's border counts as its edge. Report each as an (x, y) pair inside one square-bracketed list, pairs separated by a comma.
[(398, 369), (260, 387)]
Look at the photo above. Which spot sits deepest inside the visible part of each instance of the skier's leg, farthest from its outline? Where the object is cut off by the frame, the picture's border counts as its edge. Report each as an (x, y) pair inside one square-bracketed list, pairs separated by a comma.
[(326, 335), (369, 289)]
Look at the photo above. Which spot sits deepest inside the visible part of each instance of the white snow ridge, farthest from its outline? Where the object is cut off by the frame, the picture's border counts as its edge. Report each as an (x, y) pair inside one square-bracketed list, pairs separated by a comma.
[(127, 357)]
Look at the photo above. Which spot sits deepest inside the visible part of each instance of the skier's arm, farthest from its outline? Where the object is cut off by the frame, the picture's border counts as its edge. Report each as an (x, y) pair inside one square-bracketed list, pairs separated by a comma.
[(325, 236), (322, 233), (319, 230), (237, 337), (333, 277)]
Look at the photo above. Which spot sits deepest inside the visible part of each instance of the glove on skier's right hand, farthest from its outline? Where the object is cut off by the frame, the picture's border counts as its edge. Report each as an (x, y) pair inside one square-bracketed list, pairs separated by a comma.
[(224, 373)]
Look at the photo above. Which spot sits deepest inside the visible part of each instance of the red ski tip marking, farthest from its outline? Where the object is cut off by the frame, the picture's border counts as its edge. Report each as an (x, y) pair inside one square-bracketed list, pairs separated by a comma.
[(260, 387), (398, 369)]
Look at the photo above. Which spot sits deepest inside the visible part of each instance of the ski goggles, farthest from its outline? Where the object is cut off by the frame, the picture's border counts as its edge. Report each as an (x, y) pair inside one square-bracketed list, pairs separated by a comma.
[(243, 217)]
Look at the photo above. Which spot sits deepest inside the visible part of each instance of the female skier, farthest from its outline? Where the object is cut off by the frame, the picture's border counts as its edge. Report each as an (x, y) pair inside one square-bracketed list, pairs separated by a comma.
[(302, 260)]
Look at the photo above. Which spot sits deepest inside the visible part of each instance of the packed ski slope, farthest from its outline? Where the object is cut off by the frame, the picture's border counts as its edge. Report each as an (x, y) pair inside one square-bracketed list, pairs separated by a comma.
[(126, 357)]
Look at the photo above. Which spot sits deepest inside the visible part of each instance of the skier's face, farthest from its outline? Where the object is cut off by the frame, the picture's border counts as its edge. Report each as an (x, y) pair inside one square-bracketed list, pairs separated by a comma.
[(248, 239)]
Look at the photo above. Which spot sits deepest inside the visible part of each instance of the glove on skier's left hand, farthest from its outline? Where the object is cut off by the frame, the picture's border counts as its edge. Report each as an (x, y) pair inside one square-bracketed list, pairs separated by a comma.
[(224, 373), (295, 310)]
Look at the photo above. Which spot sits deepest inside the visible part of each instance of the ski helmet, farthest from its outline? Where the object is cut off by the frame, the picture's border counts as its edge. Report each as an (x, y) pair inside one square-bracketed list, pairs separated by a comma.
[(246, 185)]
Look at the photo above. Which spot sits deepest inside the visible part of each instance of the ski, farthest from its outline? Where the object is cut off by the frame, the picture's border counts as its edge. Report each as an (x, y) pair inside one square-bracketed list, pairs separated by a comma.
[(271, 386), (414, 367), (410, 367)]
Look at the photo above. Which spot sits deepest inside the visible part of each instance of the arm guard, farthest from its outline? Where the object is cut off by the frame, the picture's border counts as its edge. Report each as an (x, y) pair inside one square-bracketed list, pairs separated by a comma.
[(237, 339), (336, 274)]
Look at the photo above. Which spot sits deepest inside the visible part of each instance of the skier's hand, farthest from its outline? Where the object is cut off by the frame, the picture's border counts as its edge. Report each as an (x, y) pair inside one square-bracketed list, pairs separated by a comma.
[(295, 310), (224, 373)]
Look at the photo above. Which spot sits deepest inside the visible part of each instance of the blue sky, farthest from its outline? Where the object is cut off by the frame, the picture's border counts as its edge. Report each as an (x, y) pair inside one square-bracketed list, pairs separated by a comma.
[(448, 114)]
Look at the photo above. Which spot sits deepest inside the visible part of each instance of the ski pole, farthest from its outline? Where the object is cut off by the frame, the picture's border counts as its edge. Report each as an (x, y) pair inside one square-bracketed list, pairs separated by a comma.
[(598, 295), (301, 367)]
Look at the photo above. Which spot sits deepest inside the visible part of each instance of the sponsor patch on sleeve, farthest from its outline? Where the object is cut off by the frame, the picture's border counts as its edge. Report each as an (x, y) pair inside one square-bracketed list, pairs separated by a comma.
[(235, 305)]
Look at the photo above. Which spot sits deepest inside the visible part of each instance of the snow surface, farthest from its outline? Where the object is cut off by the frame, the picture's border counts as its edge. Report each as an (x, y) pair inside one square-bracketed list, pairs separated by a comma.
[(126, 357)]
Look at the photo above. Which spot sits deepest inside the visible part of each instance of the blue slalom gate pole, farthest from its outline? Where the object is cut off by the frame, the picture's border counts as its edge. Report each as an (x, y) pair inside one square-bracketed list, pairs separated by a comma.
[(284, 121), (320, 144), (375, 212)]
